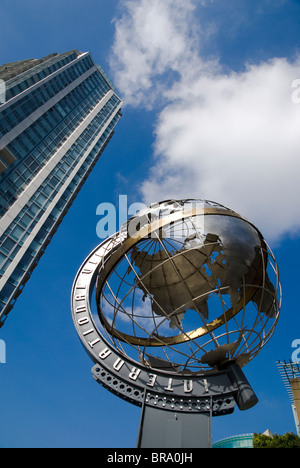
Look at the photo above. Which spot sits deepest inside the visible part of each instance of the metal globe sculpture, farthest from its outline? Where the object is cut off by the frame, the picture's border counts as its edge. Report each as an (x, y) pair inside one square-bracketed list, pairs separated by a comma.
[(186, 287)]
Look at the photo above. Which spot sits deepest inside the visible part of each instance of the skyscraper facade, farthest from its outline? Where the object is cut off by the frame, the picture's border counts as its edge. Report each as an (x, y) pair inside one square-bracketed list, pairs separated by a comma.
[(56, 119)]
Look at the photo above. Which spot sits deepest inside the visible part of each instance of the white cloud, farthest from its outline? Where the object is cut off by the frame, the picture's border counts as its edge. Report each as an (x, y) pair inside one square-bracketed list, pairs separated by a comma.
[(152, 37), (233, 138)]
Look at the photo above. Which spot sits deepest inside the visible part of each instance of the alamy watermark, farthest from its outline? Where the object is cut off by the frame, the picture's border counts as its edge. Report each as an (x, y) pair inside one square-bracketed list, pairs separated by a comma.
[(132, 218), (296, 353), (113, 217), (2, 352), (2, 92)]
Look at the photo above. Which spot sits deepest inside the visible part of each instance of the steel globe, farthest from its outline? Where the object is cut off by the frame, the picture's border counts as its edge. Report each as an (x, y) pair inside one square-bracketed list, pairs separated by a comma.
[(190, 286)]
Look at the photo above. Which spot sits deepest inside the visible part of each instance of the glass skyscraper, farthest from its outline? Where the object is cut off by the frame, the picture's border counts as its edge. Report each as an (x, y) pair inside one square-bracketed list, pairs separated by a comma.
[(58, 115)]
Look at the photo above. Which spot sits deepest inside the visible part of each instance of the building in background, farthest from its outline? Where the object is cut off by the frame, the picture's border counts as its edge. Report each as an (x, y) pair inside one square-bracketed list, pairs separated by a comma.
[(56, 119), (238, 441), (290, 374), (245, 441)]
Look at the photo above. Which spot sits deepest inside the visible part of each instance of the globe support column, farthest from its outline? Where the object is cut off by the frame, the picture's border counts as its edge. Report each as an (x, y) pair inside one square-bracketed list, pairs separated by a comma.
[(160, 428), (163, 429), (176, 411)]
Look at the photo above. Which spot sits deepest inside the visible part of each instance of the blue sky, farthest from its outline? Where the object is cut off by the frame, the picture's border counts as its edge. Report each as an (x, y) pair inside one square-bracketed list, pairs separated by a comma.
[(208, 114)]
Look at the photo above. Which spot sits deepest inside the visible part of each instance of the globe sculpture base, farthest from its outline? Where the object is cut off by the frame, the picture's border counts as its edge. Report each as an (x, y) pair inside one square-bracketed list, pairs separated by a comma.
[(162, 429), (185, 428), (173, 414)]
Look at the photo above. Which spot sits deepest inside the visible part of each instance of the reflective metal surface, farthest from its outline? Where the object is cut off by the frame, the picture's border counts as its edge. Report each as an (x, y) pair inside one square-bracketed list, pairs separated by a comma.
[(187, 285)]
